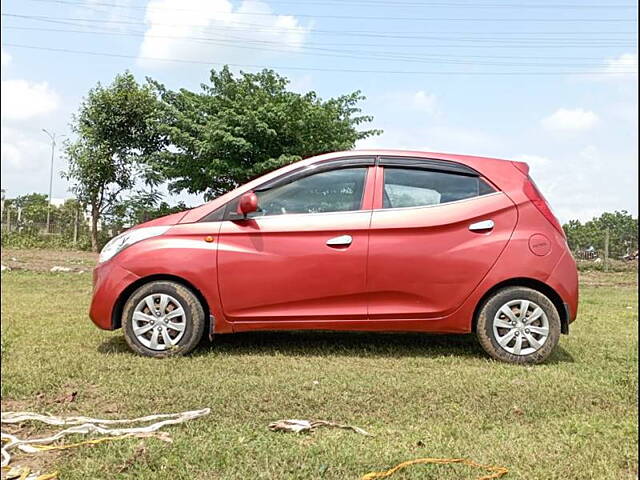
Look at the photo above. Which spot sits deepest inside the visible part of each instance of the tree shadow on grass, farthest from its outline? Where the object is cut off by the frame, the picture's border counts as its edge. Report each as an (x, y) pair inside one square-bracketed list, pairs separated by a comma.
[(352, 344)]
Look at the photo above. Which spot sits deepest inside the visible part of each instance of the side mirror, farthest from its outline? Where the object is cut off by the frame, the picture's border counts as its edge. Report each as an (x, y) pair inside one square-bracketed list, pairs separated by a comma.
[(248, 203)]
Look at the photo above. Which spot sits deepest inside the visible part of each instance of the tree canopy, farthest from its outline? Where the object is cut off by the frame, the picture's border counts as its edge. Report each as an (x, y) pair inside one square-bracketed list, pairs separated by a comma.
[(239, 127), (117, 130), (623, 233), (130, 136)]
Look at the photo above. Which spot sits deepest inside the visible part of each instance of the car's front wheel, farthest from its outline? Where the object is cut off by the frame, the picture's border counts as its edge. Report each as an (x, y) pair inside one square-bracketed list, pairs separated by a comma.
[(518, 325), (163, 318)]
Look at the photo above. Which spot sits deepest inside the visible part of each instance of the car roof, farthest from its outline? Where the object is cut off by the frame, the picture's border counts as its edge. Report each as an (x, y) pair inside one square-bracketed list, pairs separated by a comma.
[(483, 165), (462, 158)]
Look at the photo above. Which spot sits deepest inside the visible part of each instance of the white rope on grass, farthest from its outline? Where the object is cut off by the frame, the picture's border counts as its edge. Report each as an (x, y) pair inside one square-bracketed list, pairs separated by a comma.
[(298, 426), (84, 425)]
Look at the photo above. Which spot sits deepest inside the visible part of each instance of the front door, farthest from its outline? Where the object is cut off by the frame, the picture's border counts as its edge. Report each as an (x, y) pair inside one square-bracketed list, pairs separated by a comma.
[(302, 257), (434, 236)]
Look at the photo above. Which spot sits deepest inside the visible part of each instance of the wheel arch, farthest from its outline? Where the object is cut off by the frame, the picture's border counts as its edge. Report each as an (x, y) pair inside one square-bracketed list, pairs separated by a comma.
[(116, 313), (534, 284)]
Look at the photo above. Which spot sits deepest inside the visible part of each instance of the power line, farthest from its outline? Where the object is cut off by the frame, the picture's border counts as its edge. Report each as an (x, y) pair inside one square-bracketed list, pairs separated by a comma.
[(526, 42), (396, 4), (347, 17), (590, 33), (312, 44), (104, 30), (318, 69), (333, 53), (92, 7), (473, 4)]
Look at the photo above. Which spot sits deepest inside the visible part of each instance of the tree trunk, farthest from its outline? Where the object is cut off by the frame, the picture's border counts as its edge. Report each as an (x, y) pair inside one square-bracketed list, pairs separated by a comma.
[(95, 213), (606, 250), (75, 227)]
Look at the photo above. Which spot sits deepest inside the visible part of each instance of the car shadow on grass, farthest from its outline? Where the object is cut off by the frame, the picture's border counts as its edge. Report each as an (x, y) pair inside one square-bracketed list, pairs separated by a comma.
[(354, 344)]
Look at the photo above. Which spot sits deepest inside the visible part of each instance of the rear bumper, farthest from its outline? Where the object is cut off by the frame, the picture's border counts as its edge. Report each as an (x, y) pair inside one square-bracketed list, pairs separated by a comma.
[(564, 326), (564, 280), (109, 281)]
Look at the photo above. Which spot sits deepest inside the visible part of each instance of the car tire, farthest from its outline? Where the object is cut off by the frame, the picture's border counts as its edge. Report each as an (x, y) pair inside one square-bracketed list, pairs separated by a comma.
[(508, 336), (162, 319)]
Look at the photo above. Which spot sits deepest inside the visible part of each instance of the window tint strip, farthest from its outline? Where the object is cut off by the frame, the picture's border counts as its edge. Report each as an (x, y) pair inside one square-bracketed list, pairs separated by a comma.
[(315, 168), (428, 164)]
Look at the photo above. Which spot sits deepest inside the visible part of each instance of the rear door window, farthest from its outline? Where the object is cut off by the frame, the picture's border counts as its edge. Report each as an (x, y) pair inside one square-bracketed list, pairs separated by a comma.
[(410, 187)]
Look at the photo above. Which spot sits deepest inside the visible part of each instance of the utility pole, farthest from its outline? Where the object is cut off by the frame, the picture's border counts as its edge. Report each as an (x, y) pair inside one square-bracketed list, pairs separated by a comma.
[(75, 227), (606, 250), (52, 137)]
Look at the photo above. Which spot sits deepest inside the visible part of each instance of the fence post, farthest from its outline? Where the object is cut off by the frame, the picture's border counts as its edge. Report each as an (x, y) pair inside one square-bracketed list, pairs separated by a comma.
[(606, 250), (75, 228)]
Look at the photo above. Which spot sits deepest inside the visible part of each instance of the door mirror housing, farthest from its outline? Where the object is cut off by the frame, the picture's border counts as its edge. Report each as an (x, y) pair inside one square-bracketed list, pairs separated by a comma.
[(248, 203)]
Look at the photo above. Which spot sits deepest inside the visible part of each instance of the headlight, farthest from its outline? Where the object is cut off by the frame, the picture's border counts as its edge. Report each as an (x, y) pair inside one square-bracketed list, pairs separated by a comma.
[(122, 241)]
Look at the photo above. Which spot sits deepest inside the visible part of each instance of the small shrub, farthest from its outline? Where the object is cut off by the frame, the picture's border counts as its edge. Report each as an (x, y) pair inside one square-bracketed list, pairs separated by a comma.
[(613, 266)]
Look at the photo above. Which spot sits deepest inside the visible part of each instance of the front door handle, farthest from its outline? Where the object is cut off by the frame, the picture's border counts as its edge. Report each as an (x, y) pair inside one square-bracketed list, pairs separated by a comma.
[(483, 226), (341, 241)]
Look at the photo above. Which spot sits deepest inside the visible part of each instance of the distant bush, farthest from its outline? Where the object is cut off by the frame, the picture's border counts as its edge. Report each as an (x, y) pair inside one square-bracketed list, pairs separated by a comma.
[(613, 266), (33, 239)]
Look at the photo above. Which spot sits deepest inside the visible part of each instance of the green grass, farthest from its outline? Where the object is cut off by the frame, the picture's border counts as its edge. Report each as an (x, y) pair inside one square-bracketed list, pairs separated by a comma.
[(421, 396)]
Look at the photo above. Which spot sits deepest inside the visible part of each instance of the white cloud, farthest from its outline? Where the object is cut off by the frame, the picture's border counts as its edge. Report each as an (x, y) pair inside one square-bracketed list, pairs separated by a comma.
[(566, 120), (424, 101), (219, 33), (26, 157), (301, 84), (623, 66), (414, 101), (436, 138), (6, 58), (534, 161), (583, 182), (22, 99), (23, 151)]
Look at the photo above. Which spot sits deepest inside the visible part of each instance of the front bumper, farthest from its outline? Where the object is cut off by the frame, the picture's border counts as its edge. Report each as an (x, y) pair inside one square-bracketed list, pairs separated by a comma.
[(109, 281)]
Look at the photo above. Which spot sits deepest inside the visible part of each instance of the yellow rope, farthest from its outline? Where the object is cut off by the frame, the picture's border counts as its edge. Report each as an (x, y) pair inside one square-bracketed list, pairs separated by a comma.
[(48, 476), (497, 471), (25, 471)]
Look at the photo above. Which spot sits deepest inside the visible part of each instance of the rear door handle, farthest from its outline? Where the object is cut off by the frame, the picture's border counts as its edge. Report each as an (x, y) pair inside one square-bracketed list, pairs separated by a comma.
[(341, 241), (482, 226)]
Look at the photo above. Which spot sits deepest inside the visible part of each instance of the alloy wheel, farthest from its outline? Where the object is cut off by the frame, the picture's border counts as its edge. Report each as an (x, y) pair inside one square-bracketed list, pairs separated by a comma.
[(521, 327), (159, 321)]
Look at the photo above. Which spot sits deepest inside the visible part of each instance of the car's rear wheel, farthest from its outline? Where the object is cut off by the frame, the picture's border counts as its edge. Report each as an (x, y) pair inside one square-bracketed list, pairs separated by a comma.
[(518, 325), (162, 319)]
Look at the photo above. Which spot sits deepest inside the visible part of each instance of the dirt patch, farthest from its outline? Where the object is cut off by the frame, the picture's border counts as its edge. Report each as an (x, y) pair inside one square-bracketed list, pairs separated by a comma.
[(43, 462), (45, 260)]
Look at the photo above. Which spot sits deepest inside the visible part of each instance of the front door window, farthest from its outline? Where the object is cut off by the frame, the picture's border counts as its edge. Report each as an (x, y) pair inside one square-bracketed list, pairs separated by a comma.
[(330, 191)]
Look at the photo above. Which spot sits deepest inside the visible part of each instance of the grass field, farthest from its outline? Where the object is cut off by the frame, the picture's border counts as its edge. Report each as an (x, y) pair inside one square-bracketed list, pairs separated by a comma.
[(421, 396)]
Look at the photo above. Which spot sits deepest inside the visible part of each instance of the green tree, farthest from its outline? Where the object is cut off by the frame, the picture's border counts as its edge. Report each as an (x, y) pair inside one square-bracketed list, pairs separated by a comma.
[(33, 208), (623, 233), (117, 130), (70, 219), (240, 127), (139, 208)]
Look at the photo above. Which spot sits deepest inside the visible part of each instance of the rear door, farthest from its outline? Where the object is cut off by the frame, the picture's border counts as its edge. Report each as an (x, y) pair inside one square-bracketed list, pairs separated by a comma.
[(436, 230), (303, 256)]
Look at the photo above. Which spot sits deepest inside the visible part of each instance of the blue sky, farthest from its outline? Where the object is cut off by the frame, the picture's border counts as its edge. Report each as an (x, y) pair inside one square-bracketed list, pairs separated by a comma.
[(553, 83)]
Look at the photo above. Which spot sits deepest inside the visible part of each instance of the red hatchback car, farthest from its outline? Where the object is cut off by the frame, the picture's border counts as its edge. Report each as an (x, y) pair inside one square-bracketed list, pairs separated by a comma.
[(358, 240)]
